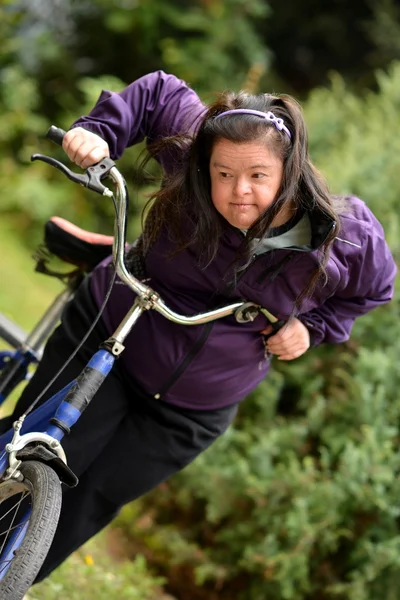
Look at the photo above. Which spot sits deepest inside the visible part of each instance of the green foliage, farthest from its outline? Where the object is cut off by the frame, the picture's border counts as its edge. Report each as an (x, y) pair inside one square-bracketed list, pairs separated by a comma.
[(130, 38), (9, 20), (384, 31), (31, 193), (212, 30), (353, 141)]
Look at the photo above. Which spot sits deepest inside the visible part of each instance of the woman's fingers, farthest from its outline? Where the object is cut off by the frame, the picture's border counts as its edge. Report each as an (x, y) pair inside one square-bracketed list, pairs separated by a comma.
[(290, 342), (84, 148), (292, 353)]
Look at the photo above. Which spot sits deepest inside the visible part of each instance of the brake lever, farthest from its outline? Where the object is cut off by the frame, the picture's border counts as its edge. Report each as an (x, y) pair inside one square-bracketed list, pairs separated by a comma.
[(91, 179)]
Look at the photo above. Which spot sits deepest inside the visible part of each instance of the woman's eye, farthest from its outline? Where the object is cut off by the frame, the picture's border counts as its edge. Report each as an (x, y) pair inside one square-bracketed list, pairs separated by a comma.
[(225, 175), (258, 175)]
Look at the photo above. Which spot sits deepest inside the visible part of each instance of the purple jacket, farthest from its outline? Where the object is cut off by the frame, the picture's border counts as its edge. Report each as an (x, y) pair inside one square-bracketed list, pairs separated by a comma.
[(218, 364)]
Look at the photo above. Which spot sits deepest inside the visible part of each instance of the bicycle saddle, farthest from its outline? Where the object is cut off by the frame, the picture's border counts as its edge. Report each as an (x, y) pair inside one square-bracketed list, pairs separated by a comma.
[(74, 245)]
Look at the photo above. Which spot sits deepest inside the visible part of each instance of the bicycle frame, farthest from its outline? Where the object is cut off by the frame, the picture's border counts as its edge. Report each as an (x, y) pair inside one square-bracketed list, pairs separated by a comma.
[(47, 424), (28, 348)]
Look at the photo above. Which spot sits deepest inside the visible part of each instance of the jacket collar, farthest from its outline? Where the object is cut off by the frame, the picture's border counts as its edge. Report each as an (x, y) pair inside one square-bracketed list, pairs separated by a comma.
[(321, 226)]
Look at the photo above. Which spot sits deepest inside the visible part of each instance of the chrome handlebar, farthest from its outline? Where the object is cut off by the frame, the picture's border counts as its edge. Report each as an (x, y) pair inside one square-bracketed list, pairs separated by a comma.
[(146, 297), (149, 298)]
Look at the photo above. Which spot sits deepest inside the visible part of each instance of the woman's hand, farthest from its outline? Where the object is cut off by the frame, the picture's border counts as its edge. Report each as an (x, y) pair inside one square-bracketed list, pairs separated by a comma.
[(290, 342), (84, 148)]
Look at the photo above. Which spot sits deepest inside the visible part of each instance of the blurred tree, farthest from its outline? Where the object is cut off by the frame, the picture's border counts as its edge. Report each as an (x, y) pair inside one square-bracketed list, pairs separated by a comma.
[(66, 40), (211, 43), (310, 39), (384, 32)]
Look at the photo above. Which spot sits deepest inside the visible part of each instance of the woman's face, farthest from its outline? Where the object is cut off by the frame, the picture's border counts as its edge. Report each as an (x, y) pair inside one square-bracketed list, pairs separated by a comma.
[(245, 179)]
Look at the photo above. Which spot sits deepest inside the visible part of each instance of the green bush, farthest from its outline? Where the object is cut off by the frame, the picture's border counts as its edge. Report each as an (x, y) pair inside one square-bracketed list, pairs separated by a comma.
[(354, 141)]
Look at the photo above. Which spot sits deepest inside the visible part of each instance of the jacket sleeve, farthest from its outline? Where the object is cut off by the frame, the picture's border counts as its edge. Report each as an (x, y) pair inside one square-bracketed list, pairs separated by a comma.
[(367, 281), (155, 106)]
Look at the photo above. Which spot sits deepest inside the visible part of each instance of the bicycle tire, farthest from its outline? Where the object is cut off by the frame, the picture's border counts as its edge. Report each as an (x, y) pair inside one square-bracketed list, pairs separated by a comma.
[(44, 488)]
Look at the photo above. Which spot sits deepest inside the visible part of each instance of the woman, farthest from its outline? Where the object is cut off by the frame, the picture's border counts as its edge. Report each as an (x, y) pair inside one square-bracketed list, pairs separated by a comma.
[(242, 214)]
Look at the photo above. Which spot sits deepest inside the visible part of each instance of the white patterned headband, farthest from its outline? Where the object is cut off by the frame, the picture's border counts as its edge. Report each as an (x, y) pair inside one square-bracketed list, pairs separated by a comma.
[(269, 116)]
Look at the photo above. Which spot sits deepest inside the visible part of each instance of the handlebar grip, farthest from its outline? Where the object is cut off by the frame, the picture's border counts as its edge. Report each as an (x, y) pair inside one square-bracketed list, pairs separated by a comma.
[(56, 135), (276, 326)]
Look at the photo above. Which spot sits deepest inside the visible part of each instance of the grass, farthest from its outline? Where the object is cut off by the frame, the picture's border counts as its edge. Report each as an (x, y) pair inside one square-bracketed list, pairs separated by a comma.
[(24, 294), (92, 573)]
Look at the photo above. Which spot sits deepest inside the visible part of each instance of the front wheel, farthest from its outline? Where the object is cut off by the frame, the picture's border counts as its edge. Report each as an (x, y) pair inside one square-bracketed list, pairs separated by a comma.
[(29, 513)]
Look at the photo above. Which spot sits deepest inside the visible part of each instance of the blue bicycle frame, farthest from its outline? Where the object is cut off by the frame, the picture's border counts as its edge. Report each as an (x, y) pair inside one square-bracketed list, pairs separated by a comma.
[(48, 424)]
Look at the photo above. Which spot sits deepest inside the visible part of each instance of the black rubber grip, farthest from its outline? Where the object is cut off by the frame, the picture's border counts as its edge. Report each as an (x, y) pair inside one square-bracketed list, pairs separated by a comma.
[(84, 388), (277, 325), (56, 135)]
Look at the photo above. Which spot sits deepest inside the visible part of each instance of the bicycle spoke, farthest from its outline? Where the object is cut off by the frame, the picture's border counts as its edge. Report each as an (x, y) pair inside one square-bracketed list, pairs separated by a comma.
[(5, 564), (10, 529), (11, 526), (12, 508)]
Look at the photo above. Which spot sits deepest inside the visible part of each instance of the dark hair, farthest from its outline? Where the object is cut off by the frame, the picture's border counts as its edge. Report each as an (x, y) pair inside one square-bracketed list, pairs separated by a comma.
[(184, 205)]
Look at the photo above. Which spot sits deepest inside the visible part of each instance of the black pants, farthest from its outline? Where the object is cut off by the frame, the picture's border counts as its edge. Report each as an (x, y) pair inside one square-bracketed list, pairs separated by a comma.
[(125, 443)]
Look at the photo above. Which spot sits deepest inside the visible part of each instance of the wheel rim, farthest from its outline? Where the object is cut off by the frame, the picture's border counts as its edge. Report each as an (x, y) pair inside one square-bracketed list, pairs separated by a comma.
[(15, 511)]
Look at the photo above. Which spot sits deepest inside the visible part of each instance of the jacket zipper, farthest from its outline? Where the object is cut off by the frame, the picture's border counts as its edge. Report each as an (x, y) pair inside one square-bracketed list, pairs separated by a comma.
[(187, 360), (274, 270), (197, 346), (206, 332)]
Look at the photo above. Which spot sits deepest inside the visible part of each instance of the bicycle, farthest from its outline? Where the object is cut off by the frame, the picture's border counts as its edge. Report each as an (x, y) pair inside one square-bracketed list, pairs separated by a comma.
[(33, 464)]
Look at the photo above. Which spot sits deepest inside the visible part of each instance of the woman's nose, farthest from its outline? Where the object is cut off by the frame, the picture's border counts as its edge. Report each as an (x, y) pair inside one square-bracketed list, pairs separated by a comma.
[(242, 186)]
